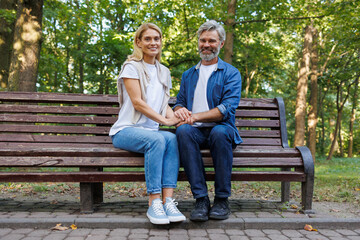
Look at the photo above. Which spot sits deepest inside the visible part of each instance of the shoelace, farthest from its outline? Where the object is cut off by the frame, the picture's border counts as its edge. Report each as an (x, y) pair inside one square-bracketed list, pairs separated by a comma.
[(171, 206), (158, 208)]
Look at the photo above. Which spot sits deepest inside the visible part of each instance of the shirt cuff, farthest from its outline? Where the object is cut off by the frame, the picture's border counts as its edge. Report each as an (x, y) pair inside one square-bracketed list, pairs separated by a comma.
[(177, 105), (222, 109)]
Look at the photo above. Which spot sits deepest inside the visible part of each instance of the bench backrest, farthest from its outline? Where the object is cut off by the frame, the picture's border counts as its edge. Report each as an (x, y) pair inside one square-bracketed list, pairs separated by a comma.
[(55, 119)]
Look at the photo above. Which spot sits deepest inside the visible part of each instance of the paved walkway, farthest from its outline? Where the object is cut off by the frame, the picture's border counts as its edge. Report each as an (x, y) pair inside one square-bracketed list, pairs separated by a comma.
[(250, 219)]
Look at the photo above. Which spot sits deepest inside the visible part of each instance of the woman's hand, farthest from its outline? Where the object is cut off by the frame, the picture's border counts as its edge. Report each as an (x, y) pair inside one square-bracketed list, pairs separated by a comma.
[(171, 121)]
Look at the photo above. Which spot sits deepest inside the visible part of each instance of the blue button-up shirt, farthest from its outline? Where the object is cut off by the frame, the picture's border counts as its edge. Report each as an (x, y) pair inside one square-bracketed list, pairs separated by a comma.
[(223, 91)]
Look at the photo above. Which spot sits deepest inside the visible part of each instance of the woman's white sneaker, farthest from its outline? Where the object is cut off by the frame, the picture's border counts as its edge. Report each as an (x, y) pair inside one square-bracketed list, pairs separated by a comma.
[(156, 213), (172, 211)]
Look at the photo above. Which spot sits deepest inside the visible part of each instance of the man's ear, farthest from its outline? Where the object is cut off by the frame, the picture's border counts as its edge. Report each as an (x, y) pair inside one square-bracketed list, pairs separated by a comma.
[(222, 44)]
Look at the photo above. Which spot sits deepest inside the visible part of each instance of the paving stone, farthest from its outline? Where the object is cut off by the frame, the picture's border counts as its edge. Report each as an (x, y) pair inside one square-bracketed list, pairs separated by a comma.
[(121, 232), (292, 233), (239, 238), (271, 231), (159, 232), (215, 236), (4, 231), (329, 233), (75, 238), (116, 238), (317, 237), (178, 232), (259, 238), (235, 232), (338, 238), (254, 233), (277, 237), (32, 238), (102, 232), (140, 230), (22, 231), (354, 237), (13, 236), (197, 233), (158, 238), (55, 237), (39, 233), (346, 232), (216, 231), (82, 232), (357, 230), (138, 236), (178, 237), (96, 237)]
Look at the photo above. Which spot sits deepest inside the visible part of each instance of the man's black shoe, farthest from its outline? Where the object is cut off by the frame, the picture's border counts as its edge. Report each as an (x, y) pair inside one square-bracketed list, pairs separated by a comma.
[(220, 210), (201, 211)]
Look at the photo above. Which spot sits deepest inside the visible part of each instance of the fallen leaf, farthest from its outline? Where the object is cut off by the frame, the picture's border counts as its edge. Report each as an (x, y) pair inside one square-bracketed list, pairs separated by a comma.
[(73, 227), (58, 227), (334, 210), (309, 228), (294, 206), (357, 189)]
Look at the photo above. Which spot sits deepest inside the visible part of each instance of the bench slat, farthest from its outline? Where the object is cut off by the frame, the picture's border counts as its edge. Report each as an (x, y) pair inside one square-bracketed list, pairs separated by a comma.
[(138, 161), (8, 108), (110, 151), (257, 114), (26, 118), (42, 97), (258, 123), (138, 176), (18, 128)]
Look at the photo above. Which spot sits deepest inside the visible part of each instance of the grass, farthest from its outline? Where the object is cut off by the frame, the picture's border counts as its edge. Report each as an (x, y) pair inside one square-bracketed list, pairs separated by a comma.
[(337, 180)]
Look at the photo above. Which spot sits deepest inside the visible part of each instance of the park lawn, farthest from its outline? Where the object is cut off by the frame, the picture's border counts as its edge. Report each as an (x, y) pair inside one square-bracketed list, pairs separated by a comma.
[(337, 180)]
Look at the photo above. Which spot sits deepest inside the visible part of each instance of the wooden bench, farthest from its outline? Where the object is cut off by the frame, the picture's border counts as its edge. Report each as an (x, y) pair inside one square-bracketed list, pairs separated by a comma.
[(59, 131)]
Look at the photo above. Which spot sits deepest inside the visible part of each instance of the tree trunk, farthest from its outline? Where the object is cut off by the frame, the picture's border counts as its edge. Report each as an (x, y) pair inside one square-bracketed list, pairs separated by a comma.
[(312, 118), (302, 86), (353, 117), (229, 26), (6, 40), (26, 48)]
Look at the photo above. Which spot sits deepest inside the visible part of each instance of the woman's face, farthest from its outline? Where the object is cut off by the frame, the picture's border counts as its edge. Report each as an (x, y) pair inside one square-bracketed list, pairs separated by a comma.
[(150, 43)]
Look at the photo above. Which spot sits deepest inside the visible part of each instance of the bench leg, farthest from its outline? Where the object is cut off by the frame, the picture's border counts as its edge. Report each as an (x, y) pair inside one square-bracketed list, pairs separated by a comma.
[(86, 198), (98, 192), (307, 187), (285, 192)]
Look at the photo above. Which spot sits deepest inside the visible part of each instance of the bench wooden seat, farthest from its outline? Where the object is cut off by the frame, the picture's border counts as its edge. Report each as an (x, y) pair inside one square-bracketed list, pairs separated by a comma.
[(54, 130)]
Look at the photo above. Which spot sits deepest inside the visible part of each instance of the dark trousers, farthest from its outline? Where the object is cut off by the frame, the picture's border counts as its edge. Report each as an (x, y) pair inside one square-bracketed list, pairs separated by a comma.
[(219, 140)]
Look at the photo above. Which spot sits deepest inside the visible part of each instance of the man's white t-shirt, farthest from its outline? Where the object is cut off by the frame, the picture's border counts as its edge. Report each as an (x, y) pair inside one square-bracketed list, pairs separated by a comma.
[(154, 95), (200, 103)]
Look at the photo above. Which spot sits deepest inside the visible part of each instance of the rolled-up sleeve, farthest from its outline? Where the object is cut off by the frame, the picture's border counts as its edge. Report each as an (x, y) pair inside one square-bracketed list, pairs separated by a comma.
[(231, 94)]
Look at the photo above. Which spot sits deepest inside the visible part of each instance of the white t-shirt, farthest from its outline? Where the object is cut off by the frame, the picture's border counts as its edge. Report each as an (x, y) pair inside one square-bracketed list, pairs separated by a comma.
[(154, 95), (200, 103)]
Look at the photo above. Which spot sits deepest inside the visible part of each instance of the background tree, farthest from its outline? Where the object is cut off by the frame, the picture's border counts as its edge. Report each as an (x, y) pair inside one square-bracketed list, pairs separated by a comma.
[(26, 46)]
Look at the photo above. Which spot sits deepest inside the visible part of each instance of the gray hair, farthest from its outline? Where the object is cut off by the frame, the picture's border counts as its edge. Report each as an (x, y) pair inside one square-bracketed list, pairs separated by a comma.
[(211, 26)]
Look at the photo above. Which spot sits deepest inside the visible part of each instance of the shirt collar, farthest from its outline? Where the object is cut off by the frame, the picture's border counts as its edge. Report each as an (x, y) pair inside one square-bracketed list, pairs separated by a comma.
[(219, 65)]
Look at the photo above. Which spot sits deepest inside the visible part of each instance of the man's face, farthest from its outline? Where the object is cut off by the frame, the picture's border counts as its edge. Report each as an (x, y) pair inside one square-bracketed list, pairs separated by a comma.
[(209, 45)]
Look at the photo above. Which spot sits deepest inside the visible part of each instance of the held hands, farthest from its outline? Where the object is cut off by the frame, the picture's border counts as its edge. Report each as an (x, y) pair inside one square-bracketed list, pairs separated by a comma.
[(185, 116), (171, 121)]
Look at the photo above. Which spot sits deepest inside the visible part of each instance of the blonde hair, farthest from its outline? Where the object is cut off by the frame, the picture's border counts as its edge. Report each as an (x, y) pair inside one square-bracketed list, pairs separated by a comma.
[(138, 54)]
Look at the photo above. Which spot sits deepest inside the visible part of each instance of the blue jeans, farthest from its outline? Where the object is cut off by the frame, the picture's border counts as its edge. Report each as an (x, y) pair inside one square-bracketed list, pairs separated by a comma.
[(161, 155), (220, 141)]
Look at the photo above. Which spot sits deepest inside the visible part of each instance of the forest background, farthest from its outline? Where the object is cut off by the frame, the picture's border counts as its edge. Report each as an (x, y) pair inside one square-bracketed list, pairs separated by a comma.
[(306, 51)]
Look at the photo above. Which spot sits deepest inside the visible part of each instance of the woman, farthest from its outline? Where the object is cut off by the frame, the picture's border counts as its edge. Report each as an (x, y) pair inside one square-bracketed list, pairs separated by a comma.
[(144, 91)]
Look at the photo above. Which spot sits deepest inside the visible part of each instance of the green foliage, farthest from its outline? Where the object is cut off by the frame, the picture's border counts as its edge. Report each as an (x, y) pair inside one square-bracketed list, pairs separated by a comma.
[(86, 42)]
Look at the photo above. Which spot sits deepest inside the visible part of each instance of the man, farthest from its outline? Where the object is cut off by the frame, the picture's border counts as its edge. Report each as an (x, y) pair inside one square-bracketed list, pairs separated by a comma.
[(206, 104)]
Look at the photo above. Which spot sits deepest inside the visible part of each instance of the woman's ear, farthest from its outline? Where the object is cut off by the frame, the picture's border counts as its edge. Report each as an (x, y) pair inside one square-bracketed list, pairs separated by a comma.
[(138, 41)]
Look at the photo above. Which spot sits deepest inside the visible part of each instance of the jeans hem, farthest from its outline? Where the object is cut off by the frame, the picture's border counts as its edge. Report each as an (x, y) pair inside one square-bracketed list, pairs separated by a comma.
[(169, 186), (200, 195)]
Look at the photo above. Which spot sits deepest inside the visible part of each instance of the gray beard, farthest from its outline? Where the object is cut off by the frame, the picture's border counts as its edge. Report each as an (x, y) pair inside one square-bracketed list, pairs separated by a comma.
[(211, 56)]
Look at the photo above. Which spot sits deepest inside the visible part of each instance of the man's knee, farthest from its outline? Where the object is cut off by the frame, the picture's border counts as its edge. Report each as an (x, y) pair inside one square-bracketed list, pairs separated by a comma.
[(222, 133), (184, 130)]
